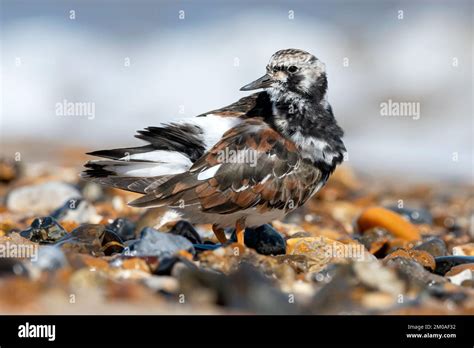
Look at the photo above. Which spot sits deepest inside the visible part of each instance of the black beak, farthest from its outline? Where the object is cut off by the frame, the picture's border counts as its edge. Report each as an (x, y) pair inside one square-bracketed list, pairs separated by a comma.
[(263, 82)]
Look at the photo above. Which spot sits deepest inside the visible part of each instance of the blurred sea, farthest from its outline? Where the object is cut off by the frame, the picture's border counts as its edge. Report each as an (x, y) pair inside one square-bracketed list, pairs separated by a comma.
[(145, 62)]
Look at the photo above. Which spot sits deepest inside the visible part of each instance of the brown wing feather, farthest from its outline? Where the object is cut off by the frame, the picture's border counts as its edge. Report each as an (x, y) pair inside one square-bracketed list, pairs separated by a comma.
[(280, 178)]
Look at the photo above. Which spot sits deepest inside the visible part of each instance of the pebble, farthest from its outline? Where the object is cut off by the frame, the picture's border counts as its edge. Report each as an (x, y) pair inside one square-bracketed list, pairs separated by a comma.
[(375, 241), (464, 250), (92, 191), (162, 283), (173, 265), (416, 274), (287, 229), (319, 250), (186, 230), (49, 258), (434, 246), (92, 239), (206, 246), (264, 240), (159, 244), (123, 227), (78, 261), (78, 210), (374, 275), (45, 230), (350, 288), (245, 289), (9, 170), (315, 277), (398, 243), (14, 238), (422, 257), (12, 266), (415, 216), (83, 281), (326, 248), (135, 263), (389, 220), (461, 273), (301, 263), (40, 198), (445, 263)]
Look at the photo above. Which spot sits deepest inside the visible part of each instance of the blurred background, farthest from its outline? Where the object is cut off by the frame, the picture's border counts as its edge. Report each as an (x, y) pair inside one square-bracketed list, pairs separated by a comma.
[(140, 63)]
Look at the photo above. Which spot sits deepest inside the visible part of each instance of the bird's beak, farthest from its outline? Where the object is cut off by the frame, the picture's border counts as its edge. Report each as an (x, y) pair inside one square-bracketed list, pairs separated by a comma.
[(263, 82)]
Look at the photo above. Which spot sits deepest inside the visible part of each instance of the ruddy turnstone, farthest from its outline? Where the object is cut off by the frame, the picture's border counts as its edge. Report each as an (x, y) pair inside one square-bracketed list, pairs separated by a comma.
[(245, 164)]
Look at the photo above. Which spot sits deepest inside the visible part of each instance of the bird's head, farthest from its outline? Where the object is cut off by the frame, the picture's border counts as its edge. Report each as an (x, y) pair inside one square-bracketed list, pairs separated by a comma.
[(293, 71)]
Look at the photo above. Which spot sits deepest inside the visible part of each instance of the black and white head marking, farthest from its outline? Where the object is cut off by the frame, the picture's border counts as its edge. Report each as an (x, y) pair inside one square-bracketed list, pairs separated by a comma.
[(301, 110), (297, 76)]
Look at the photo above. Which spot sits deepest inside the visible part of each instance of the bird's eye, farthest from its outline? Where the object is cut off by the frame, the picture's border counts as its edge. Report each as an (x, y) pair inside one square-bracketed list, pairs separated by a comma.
[(292, 69), (275, 69)]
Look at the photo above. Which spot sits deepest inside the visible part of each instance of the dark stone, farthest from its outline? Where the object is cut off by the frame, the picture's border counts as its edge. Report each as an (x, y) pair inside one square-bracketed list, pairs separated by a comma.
[(264, 239), (206, 246), (445, 263), (92, 239), (434, 246), (245, 289), (78, 210), (71, 204), (333, 297), (159, 244), (416, 216), (375, 241), (185, 229), (123, 227), (415, 273), (442, 294), (12, 266), (44, 230), (168, 264)]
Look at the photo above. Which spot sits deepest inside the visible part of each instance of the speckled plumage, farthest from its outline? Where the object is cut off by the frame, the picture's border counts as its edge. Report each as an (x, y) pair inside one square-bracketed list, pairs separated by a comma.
[(288, 127)]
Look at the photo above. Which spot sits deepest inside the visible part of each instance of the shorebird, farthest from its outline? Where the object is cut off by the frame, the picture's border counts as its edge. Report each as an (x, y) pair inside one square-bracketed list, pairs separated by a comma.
[(242, 165)]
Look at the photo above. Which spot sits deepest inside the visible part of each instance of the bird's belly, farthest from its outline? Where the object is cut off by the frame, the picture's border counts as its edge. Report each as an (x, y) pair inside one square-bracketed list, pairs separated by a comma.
[(252, 217)]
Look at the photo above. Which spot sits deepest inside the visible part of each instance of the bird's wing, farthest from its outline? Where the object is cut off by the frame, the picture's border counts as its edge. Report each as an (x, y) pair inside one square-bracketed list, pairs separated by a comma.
[(171, 148), (251, 166)]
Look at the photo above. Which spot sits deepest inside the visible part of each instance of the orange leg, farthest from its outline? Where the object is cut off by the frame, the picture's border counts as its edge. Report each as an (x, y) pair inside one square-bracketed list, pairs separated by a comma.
[(219, 232), (239, 231)]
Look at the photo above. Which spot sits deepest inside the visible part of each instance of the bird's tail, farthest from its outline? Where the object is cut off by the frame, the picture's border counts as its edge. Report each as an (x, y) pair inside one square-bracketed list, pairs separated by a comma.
[(171, 150)]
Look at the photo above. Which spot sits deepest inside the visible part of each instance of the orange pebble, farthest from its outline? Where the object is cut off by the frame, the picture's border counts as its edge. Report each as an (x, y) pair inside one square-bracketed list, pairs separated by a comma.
[(186, 254), (69, 225), (136, 264), (391, 221)]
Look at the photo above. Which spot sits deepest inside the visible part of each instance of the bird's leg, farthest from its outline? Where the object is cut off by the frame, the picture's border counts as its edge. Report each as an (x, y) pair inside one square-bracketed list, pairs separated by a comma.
[(220, 234), (239, 231)]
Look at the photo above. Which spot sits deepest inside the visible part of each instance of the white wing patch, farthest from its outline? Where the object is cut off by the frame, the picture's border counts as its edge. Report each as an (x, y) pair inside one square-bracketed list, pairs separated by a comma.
[(213, 127), (163, 162), (145, 169), (208, 173)]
